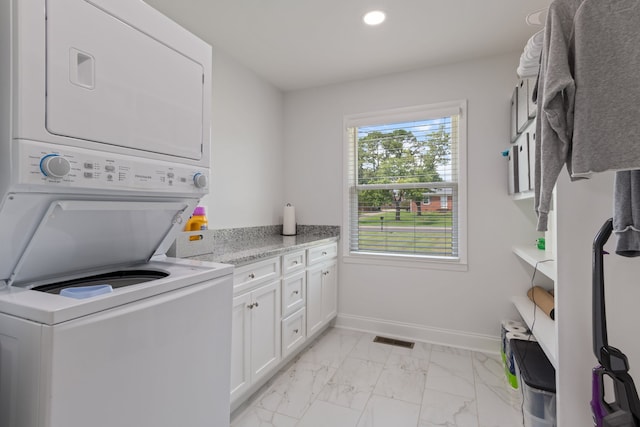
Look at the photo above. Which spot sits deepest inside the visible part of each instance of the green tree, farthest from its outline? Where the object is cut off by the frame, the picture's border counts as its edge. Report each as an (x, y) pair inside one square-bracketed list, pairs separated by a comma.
[(400, 157)]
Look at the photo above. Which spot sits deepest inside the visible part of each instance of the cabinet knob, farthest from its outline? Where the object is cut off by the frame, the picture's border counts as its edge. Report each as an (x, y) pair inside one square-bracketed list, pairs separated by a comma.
[(256, 304), (295, 331), (252, 276), (250, 306), (295, 262), (324, 253), (296, 292)]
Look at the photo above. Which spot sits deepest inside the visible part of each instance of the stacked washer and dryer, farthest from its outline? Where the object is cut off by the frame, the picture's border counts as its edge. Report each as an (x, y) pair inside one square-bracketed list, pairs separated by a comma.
[(104, 153)]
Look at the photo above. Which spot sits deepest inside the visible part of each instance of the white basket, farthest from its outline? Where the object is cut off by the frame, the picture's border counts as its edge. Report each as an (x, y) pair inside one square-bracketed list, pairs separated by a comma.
[(192, 243)]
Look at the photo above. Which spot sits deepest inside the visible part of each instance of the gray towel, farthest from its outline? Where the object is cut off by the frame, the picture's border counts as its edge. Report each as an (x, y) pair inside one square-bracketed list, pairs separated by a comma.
[(626, 212)]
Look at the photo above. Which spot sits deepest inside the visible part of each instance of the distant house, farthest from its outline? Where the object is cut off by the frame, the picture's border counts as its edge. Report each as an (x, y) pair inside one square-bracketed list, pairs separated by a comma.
[(439, 201)]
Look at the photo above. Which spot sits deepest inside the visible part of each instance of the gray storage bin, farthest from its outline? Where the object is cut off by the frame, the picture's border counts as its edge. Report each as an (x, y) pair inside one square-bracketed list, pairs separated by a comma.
[(537, 378)]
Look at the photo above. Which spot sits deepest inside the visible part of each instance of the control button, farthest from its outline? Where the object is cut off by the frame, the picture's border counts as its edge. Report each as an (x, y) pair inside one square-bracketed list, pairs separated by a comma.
[(170, 175), (109, 177), (110, 168), (55, 166), (199, 180), (88, 165), (88, 174)]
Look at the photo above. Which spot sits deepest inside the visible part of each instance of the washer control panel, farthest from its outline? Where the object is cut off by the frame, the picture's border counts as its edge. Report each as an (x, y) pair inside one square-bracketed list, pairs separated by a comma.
[(48, 164)]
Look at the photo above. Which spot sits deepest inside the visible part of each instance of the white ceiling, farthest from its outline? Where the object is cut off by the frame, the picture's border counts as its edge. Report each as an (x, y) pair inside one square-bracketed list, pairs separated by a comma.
[(297, 44)]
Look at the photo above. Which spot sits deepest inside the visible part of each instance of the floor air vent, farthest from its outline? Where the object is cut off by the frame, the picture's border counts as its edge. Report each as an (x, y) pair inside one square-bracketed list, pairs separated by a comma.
[(392, 341)]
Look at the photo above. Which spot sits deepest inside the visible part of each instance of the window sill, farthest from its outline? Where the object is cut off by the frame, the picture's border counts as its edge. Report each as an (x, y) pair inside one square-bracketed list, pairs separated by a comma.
[(391, 260)]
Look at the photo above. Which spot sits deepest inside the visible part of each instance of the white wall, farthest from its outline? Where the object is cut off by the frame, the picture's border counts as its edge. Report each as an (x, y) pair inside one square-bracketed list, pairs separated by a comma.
[(270, 148), (247, 179), (582, 208), (471, 302)]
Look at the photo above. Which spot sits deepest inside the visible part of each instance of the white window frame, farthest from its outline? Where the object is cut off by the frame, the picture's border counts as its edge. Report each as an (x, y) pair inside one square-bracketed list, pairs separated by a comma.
[(398, 115)]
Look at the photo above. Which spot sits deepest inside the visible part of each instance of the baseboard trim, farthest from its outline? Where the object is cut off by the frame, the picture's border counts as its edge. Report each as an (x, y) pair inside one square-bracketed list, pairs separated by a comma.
[(409, 331)]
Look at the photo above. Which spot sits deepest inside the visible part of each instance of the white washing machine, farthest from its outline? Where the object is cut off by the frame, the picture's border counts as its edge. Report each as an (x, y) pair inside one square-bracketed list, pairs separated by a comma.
[(104, 153), (155, 353)]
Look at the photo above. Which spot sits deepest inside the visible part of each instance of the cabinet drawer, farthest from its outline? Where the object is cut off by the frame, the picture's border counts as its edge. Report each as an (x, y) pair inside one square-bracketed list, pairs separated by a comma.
[(293, 262), (293, 332), (293, 293), (250, 275), (320, 253)]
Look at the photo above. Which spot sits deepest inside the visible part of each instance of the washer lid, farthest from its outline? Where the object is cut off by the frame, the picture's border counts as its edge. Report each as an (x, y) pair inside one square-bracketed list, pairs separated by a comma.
[(76, 236)]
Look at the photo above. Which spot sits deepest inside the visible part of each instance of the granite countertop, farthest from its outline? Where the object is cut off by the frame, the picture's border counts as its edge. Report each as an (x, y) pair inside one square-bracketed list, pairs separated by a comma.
[(245, 245)]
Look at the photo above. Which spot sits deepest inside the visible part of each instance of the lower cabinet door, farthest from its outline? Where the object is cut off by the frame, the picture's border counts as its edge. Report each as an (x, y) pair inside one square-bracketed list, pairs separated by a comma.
[(314, 299), (265, 329), (240, 342), (330, 291), (293, 332)]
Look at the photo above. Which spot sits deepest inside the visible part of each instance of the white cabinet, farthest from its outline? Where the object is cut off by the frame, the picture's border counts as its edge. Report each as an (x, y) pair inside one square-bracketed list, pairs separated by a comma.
[(240, 345), (293, 293), (248, 276), (322, 304), (294, 299), (293, 332), (314, 298), (330, 291), (322, 253), (265, 329), (293, 262), (279, 302), (255, 338)]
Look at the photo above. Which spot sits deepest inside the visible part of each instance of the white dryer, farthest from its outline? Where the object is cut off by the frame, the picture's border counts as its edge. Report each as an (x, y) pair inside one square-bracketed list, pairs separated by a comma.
[(104, 153)]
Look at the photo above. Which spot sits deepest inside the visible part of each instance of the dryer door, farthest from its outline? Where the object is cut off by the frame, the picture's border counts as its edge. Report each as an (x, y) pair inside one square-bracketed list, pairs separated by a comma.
[(113, 78)]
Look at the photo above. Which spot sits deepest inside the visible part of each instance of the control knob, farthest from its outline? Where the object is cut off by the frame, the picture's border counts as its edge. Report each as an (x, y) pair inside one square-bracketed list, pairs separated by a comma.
[(200, 180), (55, 166)]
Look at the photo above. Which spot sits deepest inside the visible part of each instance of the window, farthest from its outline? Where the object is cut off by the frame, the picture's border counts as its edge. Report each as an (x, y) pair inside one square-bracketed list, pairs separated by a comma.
[(444, 202), (405, 186)]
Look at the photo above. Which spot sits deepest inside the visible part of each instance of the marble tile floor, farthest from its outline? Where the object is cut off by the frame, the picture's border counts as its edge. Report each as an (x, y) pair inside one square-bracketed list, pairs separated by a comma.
[(344, 379)]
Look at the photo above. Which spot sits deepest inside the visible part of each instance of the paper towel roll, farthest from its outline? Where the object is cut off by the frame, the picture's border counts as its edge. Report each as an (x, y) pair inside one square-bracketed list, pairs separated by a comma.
[(289, 220), (544, 300), (514, 326), (510, 326)]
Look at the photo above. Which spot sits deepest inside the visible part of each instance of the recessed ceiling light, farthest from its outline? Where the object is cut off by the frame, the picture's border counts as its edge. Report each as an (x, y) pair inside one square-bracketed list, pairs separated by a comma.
[(375, 17)]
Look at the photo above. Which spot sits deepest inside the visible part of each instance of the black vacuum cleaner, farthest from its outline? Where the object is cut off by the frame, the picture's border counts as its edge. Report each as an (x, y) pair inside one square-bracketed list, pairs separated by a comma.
[(624, 410)]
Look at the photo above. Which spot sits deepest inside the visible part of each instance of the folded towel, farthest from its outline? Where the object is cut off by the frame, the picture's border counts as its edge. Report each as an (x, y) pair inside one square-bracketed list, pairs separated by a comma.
[(530, 58)]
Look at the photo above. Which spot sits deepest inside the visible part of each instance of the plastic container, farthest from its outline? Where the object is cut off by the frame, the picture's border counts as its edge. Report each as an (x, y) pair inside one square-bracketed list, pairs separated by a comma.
[(532, 421), (538, 382), (198, 220), (83, 292)]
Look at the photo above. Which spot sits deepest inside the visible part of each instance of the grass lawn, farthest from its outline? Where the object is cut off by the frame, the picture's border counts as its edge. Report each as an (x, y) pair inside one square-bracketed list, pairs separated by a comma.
[(407, 219), (422, 243), (429, 234)]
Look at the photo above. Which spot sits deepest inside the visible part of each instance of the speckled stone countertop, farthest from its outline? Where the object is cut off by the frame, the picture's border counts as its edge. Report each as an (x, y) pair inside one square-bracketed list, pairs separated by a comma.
[(241, 246)]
